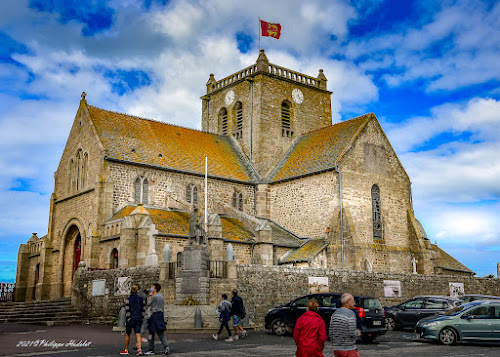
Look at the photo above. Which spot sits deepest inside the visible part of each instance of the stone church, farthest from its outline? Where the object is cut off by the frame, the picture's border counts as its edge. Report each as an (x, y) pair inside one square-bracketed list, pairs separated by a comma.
[(283, 187)]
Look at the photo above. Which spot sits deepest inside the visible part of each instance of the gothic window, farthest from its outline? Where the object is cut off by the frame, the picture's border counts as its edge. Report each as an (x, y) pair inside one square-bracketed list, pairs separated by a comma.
[(239, 120), (114, 259), (286, 125), (141, 188), (376, 213), (240, 201), (237, 201), (223, 121), (78, 167), (192, 194)]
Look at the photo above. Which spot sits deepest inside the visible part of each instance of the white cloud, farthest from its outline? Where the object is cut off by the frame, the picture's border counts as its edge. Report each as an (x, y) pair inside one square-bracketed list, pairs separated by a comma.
[(457, 48)]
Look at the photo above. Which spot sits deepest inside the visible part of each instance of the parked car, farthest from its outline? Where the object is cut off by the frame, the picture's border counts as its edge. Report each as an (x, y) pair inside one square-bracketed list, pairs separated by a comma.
[(474, 297), (410, 312), (477, 320), (282, 319)]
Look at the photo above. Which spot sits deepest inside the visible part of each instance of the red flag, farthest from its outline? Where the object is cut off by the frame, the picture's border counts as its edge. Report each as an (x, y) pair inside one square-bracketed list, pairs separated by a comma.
[(270, 30)]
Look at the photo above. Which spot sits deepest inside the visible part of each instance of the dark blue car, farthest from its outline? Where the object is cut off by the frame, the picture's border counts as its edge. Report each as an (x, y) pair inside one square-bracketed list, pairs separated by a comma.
[(371, 322)]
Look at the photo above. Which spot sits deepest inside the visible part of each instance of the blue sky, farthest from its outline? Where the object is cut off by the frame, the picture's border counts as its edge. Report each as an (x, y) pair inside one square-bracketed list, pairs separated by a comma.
[(428, 70)]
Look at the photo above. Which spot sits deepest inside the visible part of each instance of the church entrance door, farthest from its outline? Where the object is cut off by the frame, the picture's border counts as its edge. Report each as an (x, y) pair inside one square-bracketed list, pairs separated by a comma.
[(71, 258)]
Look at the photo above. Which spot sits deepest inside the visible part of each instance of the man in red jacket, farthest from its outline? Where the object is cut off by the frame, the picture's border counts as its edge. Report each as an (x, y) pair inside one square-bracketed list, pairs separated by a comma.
[(310, 332)]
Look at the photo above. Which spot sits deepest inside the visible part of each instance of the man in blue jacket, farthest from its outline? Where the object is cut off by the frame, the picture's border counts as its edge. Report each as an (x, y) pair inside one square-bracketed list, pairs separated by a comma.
[(134, 307)]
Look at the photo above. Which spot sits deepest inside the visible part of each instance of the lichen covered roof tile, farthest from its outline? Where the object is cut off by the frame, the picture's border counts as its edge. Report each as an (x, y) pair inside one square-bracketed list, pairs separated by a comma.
[(149, 142), (318, 150), (306, 252), (177, 222)]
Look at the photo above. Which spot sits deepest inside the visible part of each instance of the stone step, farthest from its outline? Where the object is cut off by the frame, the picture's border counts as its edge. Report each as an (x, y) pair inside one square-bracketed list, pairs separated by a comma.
[(44, 313), (37, 309), (37, 319), (36, 302)]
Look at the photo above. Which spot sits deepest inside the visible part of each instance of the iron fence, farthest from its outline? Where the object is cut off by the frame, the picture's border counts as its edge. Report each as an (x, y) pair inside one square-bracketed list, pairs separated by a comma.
[(218, 269), (7, 291), (173, 270)]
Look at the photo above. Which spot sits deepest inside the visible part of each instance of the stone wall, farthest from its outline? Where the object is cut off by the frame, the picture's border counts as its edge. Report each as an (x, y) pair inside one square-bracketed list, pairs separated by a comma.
[(110, 304), (264, 287), (161, 183)]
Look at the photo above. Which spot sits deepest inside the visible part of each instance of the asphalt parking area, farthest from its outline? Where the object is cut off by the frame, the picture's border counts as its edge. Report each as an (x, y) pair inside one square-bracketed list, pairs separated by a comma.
[(104, 342)]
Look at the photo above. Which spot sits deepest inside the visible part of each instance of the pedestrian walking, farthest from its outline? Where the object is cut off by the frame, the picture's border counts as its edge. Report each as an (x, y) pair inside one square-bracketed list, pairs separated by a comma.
[(145, 295), (343, 330), (156, 323), (238, 311), (224, 309), (134, 308), (310, 332)]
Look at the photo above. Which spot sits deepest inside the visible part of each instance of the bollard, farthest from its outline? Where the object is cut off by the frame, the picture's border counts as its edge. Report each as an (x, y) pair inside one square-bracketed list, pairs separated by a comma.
[(122, 321), (122, 318), (198, 322), (246, 320)]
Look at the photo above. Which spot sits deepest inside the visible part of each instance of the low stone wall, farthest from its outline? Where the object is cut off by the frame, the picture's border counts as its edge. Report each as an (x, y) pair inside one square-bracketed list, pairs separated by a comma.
[(264, 287), (109, 304)]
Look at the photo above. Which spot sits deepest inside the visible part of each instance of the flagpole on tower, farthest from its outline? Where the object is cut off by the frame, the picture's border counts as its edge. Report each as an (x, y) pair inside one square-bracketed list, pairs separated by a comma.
[(259, 34), (206, 193)]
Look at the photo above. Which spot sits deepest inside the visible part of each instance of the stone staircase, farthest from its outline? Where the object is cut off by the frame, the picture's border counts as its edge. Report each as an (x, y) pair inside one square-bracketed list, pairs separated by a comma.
[(44, 312)]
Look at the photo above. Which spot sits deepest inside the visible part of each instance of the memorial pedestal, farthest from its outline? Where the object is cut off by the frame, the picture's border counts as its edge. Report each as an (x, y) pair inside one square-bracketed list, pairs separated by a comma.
[(193, 280)]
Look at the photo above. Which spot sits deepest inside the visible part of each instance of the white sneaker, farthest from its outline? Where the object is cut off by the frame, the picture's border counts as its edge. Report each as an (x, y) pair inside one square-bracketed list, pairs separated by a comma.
[(216, 337), (236, 338), (230, 339), (244, 334)]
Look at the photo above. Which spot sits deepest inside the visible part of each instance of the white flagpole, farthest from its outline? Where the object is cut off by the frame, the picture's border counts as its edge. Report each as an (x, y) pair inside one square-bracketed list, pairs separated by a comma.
[(259, 34), (206, 192)]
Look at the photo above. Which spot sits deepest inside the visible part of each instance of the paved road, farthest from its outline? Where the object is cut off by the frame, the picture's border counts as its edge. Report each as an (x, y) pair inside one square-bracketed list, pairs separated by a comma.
[(104, 342)]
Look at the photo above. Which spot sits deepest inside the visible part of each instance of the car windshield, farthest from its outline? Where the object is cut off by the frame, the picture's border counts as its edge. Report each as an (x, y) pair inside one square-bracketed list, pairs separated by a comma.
[(372, 304), (459, 309)]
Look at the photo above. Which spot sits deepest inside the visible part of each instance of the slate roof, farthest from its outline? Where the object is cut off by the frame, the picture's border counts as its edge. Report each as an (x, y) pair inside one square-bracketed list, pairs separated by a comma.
[(447, 262), (318, 150), (306, 252), (284, 238), (422, 230), (145, 141), (177, 222)]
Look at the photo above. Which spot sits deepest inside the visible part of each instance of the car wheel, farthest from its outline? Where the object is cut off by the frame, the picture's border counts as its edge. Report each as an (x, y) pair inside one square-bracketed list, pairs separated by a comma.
[(278, 327), (447, 336), (368, 338), (390, 323)]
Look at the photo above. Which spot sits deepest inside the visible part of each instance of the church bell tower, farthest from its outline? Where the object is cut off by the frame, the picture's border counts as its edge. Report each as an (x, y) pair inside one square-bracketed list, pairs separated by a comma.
[(265, 107)]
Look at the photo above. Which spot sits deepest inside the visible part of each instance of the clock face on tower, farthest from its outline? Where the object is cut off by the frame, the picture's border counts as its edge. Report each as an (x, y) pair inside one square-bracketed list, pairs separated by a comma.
[(297, 96), (229, 97)]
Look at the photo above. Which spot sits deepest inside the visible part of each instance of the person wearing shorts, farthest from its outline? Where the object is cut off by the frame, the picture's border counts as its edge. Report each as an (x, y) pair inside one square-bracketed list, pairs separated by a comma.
[(238, 312), (134, 307)]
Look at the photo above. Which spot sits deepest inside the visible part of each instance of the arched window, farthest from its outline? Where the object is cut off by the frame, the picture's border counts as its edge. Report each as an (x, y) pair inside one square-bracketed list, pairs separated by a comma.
[(84, 170), (71, 177), (114, 259), (286, 124), (192, 194), (78, 167), (238, 200), (223, 121), (179, 260), (239, 120), (376, 213), (141, 190)]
